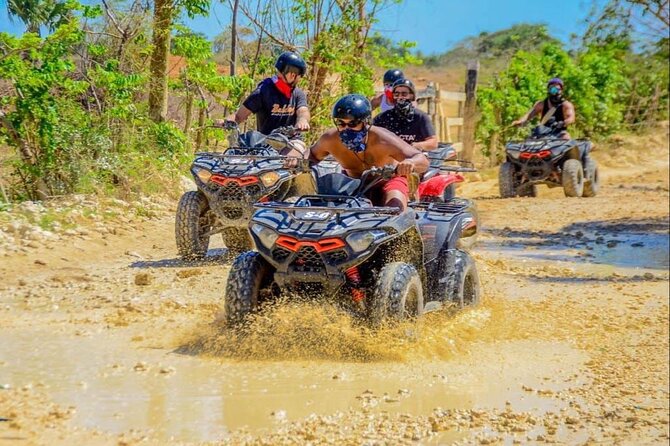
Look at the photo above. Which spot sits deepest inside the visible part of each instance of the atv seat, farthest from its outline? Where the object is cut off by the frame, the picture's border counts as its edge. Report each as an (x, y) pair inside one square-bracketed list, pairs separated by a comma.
[(337, 184)]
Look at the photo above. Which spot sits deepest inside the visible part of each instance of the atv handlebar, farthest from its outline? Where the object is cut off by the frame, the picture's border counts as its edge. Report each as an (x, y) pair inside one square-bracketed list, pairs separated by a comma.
[(462, 166)]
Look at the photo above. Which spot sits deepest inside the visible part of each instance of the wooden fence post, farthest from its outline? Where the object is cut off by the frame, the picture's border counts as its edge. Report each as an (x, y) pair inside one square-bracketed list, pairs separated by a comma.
[(470, 110)]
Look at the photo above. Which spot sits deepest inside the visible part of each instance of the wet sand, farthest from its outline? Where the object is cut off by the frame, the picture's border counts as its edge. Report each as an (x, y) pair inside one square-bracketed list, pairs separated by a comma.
[(109, 339)]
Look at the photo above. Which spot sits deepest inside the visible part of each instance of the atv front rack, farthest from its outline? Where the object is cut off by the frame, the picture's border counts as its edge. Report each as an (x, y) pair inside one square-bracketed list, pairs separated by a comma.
[(251, 157)]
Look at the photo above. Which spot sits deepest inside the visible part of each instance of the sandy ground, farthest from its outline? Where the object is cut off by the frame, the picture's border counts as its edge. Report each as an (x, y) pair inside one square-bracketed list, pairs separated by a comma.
[(107, 338)]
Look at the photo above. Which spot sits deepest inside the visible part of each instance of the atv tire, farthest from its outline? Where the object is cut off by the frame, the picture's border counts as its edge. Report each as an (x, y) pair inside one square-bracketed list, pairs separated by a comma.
[(572, 178), (192, 225), (506, 180), (248, 276), (528, 190), (592, 183), (398, 294), (464, 287)]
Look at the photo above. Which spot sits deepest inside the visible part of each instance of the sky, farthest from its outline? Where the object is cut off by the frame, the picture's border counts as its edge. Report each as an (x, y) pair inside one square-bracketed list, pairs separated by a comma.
[(435, 25)]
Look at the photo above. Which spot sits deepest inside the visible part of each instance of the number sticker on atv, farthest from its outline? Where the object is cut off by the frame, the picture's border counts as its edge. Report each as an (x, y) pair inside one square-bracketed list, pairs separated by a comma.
[(312, 215)]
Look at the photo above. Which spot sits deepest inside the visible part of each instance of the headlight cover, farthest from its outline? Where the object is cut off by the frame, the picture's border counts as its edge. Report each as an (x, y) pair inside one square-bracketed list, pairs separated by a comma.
[(361, 240), (267, 236), (203, 174), (270, 178)]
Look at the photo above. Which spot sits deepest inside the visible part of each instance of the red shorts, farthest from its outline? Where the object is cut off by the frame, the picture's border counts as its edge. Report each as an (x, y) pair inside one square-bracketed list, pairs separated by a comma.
[(376, 194)]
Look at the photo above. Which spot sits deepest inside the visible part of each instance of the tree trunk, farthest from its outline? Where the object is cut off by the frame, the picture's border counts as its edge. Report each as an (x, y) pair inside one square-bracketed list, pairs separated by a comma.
[(188, 119), (233, 39), (27, 154), (201, 130), (158, 92)]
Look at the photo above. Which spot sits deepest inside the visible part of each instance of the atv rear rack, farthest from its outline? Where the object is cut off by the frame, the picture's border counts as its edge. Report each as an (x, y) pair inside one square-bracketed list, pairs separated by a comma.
[(453, 206), (358, 206), (462, 166)]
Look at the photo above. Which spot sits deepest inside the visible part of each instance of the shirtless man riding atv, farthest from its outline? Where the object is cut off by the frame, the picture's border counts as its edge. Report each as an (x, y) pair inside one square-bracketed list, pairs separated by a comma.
[(357, 146)]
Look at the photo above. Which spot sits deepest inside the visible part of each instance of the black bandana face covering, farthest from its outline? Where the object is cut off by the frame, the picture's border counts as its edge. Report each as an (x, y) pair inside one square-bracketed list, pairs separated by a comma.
[(404, 108), (354, 140)]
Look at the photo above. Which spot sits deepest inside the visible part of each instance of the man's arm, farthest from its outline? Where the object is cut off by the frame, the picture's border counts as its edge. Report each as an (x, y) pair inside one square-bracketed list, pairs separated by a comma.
[(568, 113), (376, 101), (320, 149), (410, 159), (240, 115), (537, 109), (428, 144), (302, 118), (427, 132)]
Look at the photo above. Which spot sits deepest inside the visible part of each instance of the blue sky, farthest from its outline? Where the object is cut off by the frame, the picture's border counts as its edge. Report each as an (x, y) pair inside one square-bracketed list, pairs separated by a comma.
[(435, 25)]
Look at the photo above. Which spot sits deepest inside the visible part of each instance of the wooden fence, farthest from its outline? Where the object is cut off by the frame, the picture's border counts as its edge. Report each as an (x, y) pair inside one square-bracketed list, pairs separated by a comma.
[(445, 109)]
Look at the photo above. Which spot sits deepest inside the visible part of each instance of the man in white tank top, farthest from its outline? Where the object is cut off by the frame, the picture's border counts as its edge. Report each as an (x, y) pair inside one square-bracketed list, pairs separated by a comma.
[(385, 99)]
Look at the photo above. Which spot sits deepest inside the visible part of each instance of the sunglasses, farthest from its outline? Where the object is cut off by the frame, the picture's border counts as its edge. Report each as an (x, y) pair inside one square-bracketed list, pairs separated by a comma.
[(351, 124)]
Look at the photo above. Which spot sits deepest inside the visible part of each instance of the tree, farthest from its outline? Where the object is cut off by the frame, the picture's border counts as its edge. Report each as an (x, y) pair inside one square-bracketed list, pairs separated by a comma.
[(37, 13), (333, 37), (165, 12)]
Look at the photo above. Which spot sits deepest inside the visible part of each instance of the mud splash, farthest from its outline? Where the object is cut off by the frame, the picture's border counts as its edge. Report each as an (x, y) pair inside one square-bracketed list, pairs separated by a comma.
[(293, 330), (294, 360)]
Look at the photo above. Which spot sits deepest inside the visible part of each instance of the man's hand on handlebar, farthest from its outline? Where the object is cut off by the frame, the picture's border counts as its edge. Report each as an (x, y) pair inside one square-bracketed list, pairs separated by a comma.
[(225, 124), (302, 125), (404, 168)]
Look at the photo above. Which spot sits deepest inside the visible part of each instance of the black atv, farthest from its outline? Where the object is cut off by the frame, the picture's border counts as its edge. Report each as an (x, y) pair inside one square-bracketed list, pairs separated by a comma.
[(228, 184), (376, 262), (544, 158)]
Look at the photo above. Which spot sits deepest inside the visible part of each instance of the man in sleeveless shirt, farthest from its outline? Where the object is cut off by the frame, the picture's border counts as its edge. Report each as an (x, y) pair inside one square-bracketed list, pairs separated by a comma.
[(385, 99), (554, 110)]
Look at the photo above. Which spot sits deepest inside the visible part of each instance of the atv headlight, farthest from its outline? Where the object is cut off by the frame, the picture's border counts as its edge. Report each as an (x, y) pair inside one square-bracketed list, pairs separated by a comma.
[(266, 235), (270, 178), (360, 241), (203, 174)]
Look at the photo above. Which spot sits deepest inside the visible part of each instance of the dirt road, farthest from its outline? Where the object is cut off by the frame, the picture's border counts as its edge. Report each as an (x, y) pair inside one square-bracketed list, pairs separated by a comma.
[(107, 338)]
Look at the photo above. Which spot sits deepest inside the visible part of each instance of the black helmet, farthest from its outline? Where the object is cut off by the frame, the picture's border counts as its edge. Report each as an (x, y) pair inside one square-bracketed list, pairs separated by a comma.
[(353, 106), (393, 75), (404, 83), (290, 58)]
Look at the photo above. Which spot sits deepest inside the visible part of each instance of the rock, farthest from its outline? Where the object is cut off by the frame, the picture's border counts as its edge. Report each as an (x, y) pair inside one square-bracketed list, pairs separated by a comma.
[(141, 367), (143, 279), (133, 254), (648, 276)]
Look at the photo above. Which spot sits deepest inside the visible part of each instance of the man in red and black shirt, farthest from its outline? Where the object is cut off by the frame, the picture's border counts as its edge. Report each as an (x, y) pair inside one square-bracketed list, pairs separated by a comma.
[(278, 102)]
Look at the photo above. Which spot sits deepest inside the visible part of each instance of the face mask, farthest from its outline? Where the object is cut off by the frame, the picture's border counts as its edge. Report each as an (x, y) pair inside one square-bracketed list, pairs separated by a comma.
[(555, 95), (354, 140), (404, 107)]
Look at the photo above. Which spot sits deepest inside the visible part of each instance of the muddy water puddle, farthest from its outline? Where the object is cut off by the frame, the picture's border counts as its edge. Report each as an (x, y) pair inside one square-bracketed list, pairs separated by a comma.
[(116, 385), (627, 250)]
